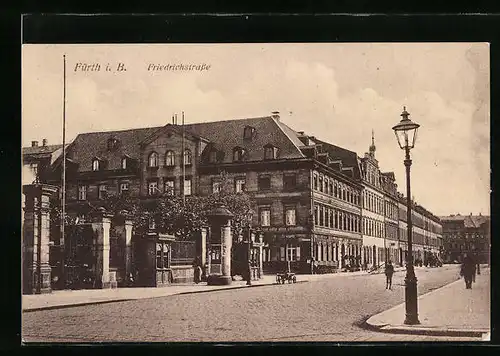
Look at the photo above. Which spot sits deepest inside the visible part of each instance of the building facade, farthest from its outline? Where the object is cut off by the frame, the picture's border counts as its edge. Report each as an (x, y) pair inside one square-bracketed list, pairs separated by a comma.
[(427, 232), (373, 210), (317, 205), (466, 233)]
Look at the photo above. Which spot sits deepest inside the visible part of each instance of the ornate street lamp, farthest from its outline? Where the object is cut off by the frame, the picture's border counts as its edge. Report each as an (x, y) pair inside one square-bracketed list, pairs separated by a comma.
[(406, 133)]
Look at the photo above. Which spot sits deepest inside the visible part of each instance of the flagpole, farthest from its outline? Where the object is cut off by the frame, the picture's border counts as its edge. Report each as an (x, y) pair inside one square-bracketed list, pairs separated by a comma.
[(63, 178), (183, 163)]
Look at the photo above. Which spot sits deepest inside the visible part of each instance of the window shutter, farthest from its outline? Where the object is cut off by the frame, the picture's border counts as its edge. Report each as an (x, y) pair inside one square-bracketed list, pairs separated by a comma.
[(282, 254), (298, 253)]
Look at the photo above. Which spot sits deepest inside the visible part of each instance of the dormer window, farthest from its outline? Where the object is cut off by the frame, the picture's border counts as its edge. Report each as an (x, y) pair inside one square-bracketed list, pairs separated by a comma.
[(238, 154), (112, 143), (270, 152), (248, 132), (153, 159), (96, 165), (213, 156)]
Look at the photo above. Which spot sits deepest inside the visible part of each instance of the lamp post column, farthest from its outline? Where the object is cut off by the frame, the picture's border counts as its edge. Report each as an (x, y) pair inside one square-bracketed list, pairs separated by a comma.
[(410, 279)]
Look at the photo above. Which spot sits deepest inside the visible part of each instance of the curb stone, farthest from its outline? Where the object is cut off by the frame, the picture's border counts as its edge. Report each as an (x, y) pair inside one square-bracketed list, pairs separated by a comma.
[(66, 306), (425, 330)]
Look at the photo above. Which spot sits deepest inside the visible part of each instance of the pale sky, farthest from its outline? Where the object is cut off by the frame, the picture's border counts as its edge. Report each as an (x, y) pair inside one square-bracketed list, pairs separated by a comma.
[(336, 92)]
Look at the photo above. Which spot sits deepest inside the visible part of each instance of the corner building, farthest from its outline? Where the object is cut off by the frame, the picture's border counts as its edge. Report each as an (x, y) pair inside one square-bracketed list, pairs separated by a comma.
[(312, 200)]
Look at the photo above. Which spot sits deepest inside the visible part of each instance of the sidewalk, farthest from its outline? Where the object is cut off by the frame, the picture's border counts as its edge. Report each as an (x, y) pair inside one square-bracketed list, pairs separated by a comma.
[(70, 298), (448, 311)]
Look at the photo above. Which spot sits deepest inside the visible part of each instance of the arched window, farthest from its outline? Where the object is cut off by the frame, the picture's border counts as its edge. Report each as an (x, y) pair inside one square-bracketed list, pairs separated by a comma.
[(169, 159), (95, 164), (124, 163), (153, 159), (187, 157)]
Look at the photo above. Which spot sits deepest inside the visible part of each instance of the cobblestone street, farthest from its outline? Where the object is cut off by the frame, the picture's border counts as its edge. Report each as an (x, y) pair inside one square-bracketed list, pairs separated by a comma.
[(324, 310)]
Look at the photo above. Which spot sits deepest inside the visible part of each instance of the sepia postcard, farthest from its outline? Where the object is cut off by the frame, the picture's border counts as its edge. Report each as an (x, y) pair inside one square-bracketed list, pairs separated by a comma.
[(304, 192)]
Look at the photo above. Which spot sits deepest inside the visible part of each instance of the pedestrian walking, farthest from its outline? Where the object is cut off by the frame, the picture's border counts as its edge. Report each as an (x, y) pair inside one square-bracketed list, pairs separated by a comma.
[(389, 271), (468, 271), (197, 274)]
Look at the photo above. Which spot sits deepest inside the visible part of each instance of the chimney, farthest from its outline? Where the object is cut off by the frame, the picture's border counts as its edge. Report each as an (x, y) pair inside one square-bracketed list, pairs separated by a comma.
[(301, 133), (34, 143), (275, 115), (44, 142)]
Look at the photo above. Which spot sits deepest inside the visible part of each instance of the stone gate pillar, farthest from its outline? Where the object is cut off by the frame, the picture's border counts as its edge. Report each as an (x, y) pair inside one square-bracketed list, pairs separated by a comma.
[(101, 225), (221, 239), (129, 258), (203, 247), (261, 257), (36, 237)]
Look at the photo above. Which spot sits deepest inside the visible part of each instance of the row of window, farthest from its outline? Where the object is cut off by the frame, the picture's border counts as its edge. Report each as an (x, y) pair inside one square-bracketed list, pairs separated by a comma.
[(239, 185), (335, 218), (372, 227), (467, 236), (102, 190), (169, 187), (270, 152), (239, 154), (372, 176), (265, 216), (263, 183), (98, 164), (154, 159), (153, 189), (391, 210), (335, 188), (466, 246), (373, 202), (288, 253)]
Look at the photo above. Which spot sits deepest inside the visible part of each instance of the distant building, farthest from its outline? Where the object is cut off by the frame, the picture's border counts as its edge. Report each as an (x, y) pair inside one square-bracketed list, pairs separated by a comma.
[(36, 163), (37, 160), (466, 233), (426, 232)]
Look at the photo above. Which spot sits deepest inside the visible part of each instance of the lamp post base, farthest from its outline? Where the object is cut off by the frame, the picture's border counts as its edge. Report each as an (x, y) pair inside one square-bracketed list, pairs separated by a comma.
[(218, 280), (411, 301)]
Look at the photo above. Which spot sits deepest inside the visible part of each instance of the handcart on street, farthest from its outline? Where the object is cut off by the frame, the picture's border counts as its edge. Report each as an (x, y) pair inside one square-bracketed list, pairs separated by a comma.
[(286, 276)]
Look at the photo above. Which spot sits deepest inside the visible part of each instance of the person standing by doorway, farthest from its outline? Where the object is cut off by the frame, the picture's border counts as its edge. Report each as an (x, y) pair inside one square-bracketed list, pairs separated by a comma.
[(389, 271)]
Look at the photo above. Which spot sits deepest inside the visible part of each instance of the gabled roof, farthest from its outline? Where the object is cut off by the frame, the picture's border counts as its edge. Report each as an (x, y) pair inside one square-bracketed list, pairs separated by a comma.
[(86, 146), (225, 135), (475, 221), (229, 134), (40, 149), (171, 128)]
